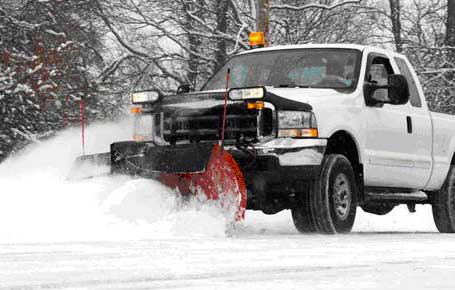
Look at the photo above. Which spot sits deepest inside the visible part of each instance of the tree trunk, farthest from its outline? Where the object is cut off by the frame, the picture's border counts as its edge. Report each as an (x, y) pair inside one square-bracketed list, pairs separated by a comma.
[(222, 26), (450, 24), (450, 44), (263, 18), (450, 32), (194, 43), (395, 10)]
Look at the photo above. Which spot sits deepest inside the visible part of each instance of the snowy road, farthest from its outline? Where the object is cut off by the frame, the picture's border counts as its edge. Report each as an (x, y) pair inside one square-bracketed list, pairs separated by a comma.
[(262, 255), (118, 233)]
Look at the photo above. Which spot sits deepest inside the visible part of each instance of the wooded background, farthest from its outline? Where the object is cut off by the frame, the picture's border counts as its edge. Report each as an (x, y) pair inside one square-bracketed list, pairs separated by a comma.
[(54, 52)]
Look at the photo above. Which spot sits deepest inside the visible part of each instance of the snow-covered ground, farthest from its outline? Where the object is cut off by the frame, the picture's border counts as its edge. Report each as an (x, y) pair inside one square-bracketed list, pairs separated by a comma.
[(119, 233)]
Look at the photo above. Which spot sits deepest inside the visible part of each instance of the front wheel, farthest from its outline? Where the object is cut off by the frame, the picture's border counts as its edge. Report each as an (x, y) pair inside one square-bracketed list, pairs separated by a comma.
[(443, 204), (333, 197), (302, 217)]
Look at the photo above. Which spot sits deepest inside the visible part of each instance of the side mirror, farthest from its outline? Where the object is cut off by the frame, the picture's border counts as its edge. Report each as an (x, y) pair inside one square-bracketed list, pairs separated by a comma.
[(185, 88), (397, 90)]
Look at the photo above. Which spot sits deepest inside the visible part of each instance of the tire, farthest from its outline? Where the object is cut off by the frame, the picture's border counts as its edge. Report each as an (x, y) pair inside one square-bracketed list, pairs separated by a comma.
[(443, 204), (333, 198), (378, 208), (301, 216)]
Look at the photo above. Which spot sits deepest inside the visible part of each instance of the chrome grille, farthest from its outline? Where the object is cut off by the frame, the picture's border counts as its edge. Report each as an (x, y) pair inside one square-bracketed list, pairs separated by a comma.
[(249, 125)]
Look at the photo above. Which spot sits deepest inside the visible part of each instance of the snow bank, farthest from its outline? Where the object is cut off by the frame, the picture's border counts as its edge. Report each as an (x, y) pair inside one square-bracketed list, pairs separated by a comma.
[(38, 204)]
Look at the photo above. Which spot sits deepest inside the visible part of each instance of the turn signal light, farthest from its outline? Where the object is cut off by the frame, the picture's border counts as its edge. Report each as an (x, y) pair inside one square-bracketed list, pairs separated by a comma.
[(257, 39), (298, 133), (255, 106), (136, 110)]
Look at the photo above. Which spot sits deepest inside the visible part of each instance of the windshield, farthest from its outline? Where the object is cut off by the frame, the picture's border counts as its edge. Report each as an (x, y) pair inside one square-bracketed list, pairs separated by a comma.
[(328, 68)]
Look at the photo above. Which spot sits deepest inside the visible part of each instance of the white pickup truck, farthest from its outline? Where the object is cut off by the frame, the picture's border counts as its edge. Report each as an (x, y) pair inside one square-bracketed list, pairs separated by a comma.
[(326, 128)]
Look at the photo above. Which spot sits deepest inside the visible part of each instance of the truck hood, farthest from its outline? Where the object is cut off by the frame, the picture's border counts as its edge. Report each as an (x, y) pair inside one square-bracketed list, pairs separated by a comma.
[(310, 96)]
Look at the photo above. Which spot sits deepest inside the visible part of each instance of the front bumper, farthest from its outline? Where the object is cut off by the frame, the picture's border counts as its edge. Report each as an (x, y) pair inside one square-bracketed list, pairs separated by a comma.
[(294, 152), (281, 161), (281, 154)]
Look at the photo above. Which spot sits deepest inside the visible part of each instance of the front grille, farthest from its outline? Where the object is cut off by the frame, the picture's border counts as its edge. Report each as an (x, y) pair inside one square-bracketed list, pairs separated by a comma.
[(248, 125)]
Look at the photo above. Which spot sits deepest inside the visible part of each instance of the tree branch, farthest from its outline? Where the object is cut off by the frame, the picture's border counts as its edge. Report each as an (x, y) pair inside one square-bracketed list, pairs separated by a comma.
[(314, 6)]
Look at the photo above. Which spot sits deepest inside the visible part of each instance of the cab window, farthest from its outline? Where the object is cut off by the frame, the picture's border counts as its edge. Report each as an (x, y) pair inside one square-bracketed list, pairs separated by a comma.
[(414, 96), (378, 71)]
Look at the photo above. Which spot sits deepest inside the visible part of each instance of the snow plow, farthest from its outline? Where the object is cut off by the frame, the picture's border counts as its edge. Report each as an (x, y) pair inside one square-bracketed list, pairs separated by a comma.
[(219, 144), (198, 168), (235, 143), (203, 144), (202, 169)]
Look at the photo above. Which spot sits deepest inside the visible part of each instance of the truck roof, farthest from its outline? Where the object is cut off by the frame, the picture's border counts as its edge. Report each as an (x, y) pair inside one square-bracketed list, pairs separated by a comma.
[(329, 45), (300, 46)]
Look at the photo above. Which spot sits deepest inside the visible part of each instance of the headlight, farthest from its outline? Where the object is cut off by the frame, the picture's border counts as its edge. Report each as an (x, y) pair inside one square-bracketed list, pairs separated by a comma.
[(144, 97), (247, 94), (297, 124)]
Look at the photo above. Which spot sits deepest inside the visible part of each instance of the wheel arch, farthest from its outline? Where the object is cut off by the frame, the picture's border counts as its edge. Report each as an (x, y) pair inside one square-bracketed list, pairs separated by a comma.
[(344, 143)]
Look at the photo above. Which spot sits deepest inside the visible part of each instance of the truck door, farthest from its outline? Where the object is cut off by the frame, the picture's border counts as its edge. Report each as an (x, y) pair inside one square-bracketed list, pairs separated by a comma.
[(419, 121), (389, 159)]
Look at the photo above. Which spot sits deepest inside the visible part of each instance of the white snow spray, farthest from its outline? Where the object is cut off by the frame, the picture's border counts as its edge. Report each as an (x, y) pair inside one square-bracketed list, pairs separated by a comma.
[(39, 204)]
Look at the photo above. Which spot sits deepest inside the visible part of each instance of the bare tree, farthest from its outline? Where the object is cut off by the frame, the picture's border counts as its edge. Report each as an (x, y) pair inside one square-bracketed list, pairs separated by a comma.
[(222, 23), (450, 24), (450, 31), (395, 10), (263, 18), (332, 21)]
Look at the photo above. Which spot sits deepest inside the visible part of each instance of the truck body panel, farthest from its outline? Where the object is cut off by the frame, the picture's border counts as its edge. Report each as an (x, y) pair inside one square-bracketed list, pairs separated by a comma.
[(400, 146), (443, 148)]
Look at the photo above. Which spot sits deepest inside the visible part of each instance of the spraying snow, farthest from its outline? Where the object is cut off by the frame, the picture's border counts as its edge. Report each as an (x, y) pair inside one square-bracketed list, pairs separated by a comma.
[(39, 204)]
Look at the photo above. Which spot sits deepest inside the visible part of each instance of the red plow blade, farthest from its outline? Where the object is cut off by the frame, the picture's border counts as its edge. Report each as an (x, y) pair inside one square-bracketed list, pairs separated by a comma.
[(221, 181)]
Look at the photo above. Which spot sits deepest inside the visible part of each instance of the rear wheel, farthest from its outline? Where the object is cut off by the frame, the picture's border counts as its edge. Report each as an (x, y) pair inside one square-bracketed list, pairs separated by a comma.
[(332, 200), (443, 203)]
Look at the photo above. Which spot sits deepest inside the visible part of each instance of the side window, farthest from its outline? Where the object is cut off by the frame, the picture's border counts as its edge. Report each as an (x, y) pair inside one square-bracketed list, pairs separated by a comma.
[(413, 91), (378, 71)]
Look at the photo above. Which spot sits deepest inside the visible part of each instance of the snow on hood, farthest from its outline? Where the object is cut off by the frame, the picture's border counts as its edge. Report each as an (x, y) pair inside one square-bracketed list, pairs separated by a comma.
[(307, 95)]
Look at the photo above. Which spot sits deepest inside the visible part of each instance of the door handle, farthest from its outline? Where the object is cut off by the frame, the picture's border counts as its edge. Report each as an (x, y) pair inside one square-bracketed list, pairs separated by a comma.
[(409, 122)]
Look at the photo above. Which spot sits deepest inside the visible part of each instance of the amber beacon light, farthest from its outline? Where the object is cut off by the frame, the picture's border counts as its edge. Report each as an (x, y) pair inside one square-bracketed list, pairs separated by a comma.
[(257, 39)]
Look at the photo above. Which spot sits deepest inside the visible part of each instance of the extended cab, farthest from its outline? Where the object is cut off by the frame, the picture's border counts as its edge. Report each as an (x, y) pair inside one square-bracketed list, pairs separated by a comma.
[(325, 128)]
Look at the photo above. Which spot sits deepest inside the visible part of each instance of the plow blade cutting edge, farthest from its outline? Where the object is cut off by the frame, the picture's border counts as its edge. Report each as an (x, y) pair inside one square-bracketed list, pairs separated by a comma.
[(210, 172)]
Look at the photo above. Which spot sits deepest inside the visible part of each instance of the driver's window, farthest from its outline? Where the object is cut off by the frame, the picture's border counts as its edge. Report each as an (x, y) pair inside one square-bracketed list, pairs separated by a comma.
[(307, 75), (378, 73)]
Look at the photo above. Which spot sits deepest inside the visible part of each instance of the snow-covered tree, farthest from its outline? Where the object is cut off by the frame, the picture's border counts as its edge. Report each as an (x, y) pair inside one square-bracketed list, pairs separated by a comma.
[(48, 60)]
